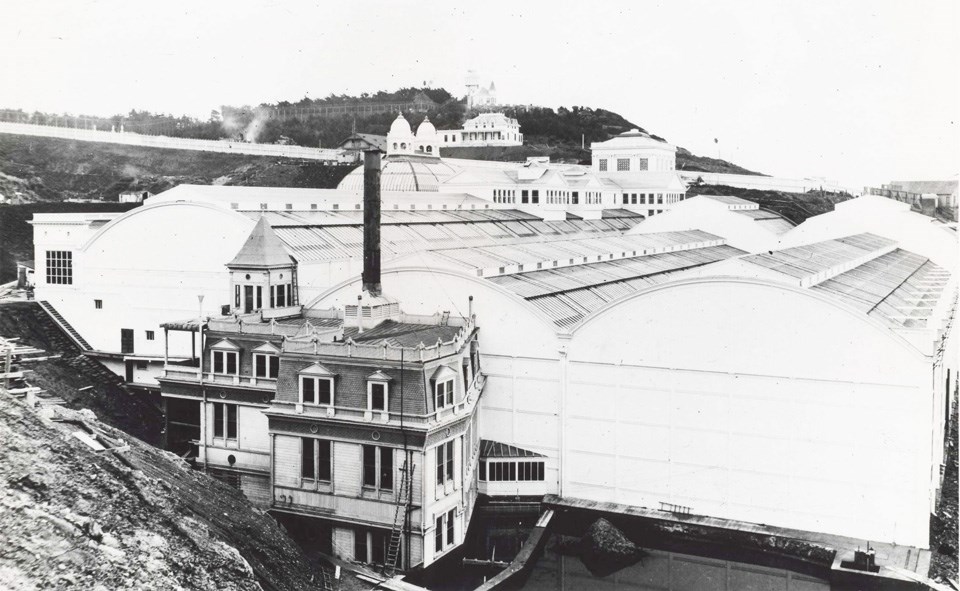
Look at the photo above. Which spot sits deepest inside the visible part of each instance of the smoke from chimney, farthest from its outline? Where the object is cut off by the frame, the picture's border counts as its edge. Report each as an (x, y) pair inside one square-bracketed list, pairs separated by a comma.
[(371, 223)]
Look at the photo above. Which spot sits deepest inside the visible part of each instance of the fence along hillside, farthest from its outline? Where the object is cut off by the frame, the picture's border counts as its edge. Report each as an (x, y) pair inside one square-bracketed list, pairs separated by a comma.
[(159, 141)]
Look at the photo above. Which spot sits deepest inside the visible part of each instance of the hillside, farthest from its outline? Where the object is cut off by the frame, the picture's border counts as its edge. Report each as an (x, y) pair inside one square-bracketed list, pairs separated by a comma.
[(131, 518), (796, 207), (52, 169)]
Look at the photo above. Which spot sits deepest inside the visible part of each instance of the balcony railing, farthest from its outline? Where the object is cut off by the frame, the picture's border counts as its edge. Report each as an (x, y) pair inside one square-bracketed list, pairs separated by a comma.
[(194, 374)]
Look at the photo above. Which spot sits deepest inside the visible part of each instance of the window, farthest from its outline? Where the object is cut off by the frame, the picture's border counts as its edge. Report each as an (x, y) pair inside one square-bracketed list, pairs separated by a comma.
[(236, 297), (633, 198), (377, 396), (535, 196), (445, 523), (524, 196), (59, 267), (623, 164), (659, 198), (224, 420), (643, 164), (378, 467), (263, 206), (266, 366), (126, 340), (444, 394), (444, 462), (315, 390), (316, 459), (98, 304), (643, 198), (512, 471), (626, 199), (603, 165), (225, 362), (150, 335)]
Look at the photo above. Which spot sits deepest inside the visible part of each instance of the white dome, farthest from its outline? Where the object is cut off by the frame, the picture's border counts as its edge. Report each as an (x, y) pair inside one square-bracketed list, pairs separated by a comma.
[(426, 129), (400, 127)]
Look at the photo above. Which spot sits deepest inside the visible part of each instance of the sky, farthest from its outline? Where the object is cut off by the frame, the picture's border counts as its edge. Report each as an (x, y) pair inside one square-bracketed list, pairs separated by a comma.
[(862, 92)]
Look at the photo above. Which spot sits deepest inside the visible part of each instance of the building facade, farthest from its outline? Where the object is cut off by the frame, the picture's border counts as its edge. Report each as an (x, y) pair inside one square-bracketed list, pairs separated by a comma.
[(362, 423), (486, 129)]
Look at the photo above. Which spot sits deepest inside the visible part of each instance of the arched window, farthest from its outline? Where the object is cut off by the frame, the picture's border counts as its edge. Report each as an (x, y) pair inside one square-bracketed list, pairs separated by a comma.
[(403, 146), (429, 149), (394, 145)]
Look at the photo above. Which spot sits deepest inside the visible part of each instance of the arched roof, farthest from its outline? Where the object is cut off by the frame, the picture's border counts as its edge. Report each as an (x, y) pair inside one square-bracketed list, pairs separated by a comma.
[(404, 173)]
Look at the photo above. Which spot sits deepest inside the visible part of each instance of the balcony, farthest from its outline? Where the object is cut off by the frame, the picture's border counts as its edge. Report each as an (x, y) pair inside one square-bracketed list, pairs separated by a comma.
[(195, 374)]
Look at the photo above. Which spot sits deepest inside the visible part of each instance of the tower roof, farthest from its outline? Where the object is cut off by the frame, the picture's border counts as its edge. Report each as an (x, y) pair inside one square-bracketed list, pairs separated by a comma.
[(262, 249)]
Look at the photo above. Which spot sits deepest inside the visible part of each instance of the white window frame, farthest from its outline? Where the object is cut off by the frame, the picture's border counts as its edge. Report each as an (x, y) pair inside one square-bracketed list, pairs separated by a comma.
[(225, 365), (444, 399), (378, 378), (270, 359), (226, 416), (623, 165), (316, 389)]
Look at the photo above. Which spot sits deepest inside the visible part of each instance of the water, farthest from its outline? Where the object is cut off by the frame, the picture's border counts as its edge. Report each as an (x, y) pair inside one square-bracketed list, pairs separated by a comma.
[(666, 571), (662, 570)]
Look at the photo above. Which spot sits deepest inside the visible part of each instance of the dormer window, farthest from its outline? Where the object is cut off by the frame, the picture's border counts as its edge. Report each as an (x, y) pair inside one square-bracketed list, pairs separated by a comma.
[(378, 392), (224, 358), (316, 386), (266, 361), (443, 387)]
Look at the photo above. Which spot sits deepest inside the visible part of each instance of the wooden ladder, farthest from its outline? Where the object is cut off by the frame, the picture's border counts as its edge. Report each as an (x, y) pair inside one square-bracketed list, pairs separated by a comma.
[(399, 519)]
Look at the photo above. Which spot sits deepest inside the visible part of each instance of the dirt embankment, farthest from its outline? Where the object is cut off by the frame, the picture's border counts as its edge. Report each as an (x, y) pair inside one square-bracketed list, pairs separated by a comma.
[(54, 169), (136, 518), (76, 379)]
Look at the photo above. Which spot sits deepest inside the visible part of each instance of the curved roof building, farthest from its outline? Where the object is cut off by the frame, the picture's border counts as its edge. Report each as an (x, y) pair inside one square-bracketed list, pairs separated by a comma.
[(404, 173)]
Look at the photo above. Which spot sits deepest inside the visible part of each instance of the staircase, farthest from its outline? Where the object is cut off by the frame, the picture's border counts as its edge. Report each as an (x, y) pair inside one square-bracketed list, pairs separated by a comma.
[(399, 519), (65, 326)]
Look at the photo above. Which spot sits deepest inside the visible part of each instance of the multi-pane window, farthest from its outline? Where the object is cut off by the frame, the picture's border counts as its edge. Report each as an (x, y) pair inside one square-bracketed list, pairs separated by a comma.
[(225, 362), (266, 366), (443, 535), (316, 390), (377, 396), (98, 304), (378, 467), (150, 335), (444, 393), (643, 164), (224, 420), (59, 267), (510, 471), (659, 198), (623, 164), (535, 196), (524, 196), (603, 165), (316, 459), (626, 198), (444, 462)]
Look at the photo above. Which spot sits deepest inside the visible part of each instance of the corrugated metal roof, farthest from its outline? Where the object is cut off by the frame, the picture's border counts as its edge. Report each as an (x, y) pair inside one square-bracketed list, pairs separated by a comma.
[(900, 288), (495, 449), (806, 261), (568, 294)]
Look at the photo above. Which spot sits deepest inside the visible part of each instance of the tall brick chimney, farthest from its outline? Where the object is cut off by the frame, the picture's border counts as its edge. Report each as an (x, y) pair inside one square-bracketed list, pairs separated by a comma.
[(371, 223)]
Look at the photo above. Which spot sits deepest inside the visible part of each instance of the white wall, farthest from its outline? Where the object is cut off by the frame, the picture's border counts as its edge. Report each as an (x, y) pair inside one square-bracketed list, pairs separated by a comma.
[(755, 403), (148, 267)]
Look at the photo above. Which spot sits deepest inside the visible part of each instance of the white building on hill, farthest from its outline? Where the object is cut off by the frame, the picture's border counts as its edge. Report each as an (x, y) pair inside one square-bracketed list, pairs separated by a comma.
[(486, 129)]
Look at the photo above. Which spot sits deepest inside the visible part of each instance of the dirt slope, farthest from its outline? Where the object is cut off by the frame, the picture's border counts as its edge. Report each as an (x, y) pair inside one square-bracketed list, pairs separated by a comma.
[(73, 518)]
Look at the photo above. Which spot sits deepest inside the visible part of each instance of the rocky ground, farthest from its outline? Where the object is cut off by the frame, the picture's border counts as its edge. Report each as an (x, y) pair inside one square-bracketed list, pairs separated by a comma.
[(131, 517)]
